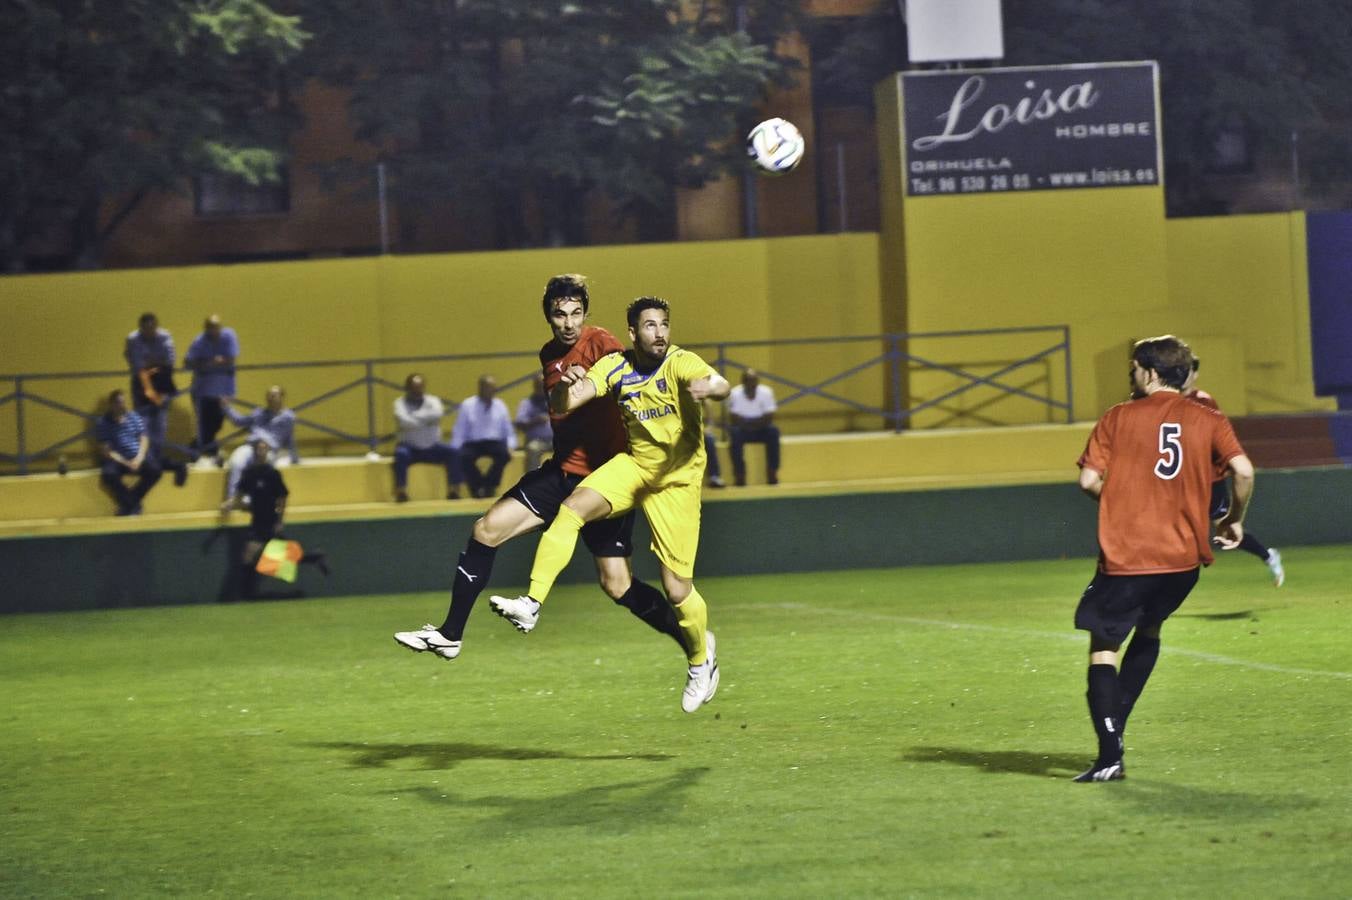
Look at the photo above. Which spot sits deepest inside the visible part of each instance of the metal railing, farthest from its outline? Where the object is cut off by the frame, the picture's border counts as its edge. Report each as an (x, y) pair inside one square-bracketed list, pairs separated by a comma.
[(885, 400)]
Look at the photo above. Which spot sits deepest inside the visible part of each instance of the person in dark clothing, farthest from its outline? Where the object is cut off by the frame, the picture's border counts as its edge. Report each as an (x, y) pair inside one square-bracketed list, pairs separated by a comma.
[(263, 492)]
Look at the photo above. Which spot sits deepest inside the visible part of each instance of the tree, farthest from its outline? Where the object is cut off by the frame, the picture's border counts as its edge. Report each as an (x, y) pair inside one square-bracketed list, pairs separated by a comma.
[(104, 102), (516, 107)]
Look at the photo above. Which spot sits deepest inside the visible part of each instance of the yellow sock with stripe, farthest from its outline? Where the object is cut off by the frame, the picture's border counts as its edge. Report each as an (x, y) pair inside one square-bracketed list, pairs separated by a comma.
[(555, 550), (693, 617)]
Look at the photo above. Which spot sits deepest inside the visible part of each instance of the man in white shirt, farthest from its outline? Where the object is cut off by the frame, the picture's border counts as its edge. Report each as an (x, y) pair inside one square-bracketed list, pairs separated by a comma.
[(419, 415), (751, 407), (483, 429)]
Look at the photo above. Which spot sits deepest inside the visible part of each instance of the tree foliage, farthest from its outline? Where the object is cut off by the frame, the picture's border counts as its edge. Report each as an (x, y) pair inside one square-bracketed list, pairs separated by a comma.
[(513, 105), (106, 101)]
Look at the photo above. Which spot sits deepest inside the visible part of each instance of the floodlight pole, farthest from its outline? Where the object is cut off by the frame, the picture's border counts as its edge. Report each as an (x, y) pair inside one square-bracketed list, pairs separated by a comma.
[(384, 209), (1296, 200)]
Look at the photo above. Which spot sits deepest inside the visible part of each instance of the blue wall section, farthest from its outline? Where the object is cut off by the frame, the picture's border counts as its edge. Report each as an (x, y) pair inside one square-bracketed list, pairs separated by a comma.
[(1329, 246)]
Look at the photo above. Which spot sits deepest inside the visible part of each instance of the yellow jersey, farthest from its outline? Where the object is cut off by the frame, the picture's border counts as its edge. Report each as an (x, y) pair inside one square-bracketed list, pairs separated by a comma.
[(664, 424)]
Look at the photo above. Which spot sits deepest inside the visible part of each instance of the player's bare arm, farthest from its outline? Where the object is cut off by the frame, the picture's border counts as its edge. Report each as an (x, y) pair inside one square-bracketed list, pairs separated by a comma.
[(573, 390), (1091, 481), (1230, 530), (712, 387)]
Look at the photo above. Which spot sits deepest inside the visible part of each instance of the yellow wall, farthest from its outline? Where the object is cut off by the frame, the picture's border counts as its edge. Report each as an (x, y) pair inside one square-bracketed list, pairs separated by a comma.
[(1245, 278), (473, 303), (1104, 262)]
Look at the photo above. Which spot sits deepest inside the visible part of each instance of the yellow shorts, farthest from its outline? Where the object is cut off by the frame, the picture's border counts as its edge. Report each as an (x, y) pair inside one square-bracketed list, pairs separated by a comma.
[(672, 510)]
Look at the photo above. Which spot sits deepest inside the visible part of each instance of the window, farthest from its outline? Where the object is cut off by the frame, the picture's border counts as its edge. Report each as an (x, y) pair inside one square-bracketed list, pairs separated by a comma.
[(216, 194)]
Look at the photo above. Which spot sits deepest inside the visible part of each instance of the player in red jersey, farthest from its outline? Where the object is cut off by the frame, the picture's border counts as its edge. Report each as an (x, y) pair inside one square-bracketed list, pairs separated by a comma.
[(1220, 490), (1149, 463), (583, 440)]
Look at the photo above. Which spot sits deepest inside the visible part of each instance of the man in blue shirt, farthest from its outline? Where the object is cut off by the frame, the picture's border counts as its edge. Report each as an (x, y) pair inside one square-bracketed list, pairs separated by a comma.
[(482, 429), (149, 351), (211, 357), (274, 424), (532, 417), (126, 451)]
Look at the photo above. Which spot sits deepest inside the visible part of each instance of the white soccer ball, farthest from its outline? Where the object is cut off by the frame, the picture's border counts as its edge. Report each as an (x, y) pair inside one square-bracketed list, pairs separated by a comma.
[(776, 146)]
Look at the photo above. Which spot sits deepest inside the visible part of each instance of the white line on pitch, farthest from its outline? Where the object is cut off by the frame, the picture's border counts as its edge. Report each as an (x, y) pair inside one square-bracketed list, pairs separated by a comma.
[(1050, 635)]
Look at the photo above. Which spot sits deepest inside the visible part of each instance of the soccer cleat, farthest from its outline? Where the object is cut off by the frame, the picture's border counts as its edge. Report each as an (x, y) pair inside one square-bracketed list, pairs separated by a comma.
[(523, 612), (701, 681), (428, 638), (1274, 564), (1113, 771)]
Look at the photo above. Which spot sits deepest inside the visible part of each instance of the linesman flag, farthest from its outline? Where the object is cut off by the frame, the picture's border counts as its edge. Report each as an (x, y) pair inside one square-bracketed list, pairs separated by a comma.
[(280, 560)]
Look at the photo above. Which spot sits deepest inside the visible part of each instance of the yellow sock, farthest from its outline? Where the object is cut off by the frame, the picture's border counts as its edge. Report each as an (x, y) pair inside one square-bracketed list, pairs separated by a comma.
[(693, 617), (556, 548)]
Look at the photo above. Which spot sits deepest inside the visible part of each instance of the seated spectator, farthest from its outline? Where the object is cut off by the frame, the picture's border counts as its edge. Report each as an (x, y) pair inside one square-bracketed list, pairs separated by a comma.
[(532, 417), (273, 424), (263, 491), (483, 430), (751, 408), (126, 450), (714, 470), (419, 415)]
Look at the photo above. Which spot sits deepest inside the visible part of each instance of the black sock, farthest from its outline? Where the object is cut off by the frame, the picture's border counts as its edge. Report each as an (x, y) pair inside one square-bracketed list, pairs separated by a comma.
[(1137, 664), (471, 577), (1105, 703), (650, 605), (1254, 546), (319, 559)]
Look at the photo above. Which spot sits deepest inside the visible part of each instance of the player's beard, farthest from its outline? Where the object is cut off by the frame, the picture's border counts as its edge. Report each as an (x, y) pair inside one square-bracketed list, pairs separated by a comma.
[(651, 354)]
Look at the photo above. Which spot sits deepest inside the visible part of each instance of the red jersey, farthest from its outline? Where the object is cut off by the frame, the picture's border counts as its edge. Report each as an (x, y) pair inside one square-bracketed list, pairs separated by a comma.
[(1157, 456), (592, 433), (1199, 396)]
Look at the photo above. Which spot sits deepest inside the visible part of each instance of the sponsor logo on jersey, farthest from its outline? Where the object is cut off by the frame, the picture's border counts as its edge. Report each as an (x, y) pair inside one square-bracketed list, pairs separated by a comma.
[(665, 409)]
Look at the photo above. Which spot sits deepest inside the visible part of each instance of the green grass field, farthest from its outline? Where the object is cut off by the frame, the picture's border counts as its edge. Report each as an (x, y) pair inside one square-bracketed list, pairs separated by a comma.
[(904, 732)]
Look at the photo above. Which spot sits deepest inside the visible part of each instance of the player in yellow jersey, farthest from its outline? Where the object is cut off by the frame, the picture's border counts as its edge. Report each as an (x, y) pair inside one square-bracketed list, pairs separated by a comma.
[(659, 388)]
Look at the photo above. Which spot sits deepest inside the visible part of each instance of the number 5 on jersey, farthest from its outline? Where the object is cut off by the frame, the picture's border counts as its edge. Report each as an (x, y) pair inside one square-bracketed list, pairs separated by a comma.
[(1171, 451)]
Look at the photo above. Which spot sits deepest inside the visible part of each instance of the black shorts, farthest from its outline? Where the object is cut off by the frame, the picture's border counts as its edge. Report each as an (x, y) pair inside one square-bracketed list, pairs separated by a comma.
[(1113, 605), (1220, 499), (543, 492)]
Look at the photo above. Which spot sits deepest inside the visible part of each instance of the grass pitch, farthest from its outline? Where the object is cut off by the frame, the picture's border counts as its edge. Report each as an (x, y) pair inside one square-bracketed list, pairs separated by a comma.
[(890, 733)]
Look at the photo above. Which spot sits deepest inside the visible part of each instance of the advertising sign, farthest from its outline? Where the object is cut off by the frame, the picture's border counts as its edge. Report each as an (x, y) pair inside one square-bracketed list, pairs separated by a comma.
[(981, 131)]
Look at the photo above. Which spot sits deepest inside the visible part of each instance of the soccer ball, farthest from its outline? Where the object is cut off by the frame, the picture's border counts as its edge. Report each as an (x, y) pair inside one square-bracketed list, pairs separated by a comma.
[(776, 146)]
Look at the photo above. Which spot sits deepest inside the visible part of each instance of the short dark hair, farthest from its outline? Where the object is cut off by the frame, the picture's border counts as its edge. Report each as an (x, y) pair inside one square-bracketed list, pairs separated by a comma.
[(114, 394), (147, 318), (565, 287), (1167, 356), (632, 313)]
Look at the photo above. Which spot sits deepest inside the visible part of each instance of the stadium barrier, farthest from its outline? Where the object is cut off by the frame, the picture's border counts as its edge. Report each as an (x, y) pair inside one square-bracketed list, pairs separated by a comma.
[(50, 502), (972, 378), (744, 532)]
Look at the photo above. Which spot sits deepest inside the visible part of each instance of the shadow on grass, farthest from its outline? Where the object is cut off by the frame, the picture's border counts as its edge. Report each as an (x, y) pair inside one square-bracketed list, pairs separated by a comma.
[(445, 756), (1016, 762), (612, 808), (1216, 617), (1157, 797), (1187, 801)]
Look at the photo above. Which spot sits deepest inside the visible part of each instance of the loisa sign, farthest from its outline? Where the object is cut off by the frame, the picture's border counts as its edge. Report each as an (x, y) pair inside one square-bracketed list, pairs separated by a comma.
[(1020, 129)]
